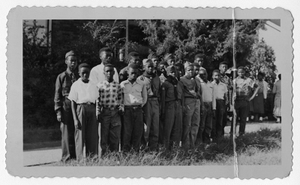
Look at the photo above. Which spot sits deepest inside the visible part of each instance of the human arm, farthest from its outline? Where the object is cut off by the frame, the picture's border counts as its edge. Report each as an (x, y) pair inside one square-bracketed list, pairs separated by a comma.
[(58, 99), (162, 100), (144, 95), (256, 88), (77, 124), (116, 75)]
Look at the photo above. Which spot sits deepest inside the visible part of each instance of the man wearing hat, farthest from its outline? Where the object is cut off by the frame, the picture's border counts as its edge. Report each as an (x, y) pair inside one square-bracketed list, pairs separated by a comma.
[(62, 106), (97, 73)]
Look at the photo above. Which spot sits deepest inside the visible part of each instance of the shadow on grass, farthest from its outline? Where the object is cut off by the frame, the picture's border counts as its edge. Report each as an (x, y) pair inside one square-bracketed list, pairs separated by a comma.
[(257, 145)]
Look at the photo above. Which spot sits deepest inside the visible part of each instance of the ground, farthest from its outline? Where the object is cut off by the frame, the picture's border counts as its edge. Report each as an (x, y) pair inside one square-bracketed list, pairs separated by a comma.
[(261, 145)]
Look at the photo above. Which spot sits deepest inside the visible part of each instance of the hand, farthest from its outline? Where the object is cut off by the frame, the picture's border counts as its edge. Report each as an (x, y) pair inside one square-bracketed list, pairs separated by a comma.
[(77, 124), (58, 117), (61, 126), (98, 116), (214, 113)]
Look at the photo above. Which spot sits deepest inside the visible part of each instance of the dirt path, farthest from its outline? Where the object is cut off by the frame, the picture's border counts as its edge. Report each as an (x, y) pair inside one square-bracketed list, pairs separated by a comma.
[(46, 156)]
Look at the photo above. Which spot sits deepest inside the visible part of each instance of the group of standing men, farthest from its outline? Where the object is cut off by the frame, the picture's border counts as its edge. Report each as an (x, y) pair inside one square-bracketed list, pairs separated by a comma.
[(145, 104)]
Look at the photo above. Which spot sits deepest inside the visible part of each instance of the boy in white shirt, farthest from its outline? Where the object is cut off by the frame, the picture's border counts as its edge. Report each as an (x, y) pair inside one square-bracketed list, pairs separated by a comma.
[(83, 95)]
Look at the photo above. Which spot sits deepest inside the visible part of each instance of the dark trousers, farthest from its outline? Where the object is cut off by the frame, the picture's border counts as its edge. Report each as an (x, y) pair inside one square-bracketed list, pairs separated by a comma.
[(206, 123), (67, 132), (110, 130), (241, 108), (133, 129), (87, 135), (224, 122), (218, 127), (191, 120), (173, 123), (151, 115)]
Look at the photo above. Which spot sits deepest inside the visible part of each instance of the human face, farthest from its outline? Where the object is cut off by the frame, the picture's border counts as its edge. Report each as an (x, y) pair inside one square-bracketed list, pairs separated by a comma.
[(71, 62), (84, 73), (199, 61), (216, 76), (223, 68), (109, 73), (189, 71), (132, 74), (241, 73), (161, 68), (260, 77), (106, 57), (203, 75), (135, 60), (155, 61), (149, 68), (172, 73)]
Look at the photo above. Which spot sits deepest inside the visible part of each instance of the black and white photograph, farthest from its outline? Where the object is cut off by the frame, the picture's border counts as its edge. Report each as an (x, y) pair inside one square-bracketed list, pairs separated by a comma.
[(157, 91)]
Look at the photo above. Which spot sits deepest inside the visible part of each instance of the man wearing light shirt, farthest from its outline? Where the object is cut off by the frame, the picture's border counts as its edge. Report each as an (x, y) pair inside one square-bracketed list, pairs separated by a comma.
[(208, 107), (83, 95), (135, 97), (97, 74), (220, 93)]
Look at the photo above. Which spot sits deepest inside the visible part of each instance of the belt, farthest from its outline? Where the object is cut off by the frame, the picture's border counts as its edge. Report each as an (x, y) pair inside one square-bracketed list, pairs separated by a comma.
[(220, 100), (86, 103), (152, 98), (111, 108), (241, 98), (190, 97), (133, 106)]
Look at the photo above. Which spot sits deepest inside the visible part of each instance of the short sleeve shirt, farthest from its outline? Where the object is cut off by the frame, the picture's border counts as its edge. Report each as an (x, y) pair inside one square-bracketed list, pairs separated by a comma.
[(243, 86), (83, 92)]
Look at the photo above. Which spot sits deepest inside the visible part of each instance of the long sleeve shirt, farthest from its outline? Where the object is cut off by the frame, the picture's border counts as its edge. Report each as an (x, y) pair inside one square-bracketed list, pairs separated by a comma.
[(63, 85), (110, 94), (152, 84), (190, 88)]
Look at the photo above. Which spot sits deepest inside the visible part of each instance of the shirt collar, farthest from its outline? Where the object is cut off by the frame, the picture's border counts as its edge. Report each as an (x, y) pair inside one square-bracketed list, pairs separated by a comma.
[(69, 72)]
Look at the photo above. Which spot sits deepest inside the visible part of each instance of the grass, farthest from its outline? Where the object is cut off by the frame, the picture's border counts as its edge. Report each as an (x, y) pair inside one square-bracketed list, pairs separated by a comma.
[(257, 148)]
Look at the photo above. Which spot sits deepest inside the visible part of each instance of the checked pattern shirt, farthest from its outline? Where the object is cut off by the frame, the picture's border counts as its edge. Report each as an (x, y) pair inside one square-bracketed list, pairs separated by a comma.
[(110, 94)]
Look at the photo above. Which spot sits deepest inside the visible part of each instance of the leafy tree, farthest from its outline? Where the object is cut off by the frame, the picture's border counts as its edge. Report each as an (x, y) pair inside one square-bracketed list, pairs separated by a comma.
[(213, 38), (37, 73), (262, 59)]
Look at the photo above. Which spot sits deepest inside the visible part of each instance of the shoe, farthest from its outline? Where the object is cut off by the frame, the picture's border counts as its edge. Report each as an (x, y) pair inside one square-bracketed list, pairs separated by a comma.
[(247, 119), (260, 119)]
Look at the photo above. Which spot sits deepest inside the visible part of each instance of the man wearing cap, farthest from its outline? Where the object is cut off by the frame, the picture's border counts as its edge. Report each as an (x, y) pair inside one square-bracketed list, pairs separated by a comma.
[(62, 106), (97, 74), (223, 67)]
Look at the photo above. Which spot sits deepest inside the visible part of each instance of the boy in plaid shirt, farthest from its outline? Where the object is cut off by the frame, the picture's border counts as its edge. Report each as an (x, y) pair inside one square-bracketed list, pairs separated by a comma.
[(108, 105)]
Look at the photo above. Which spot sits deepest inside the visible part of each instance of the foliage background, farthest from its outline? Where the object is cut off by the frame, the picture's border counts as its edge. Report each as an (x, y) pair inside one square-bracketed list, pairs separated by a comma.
[(43, 54)]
